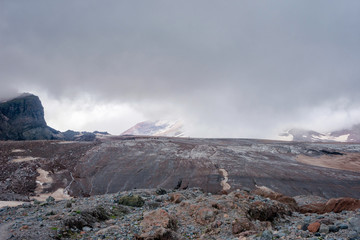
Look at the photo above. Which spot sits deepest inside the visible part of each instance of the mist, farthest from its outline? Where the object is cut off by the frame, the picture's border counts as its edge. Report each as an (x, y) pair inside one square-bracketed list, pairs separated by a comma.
[(226, 69)]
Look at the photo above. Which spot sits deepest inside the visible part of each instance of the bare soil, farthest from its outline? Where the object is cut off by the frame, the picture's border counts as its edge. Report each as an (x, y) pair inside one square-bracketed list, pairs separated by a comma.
[(348, 162)]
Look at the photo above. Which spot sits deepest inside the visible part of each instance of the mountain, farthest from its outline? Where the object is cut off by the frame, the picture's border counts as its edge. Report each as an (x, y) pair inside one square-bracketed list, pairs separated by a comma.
[(353, 134), (22, 118), (302, 135), (157, 128)]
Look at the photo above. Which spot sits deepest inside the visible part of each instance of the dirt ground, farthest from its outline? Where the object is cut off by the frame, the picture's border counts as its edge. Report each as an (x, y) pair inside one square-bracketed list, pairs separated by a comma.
[(349, 161)]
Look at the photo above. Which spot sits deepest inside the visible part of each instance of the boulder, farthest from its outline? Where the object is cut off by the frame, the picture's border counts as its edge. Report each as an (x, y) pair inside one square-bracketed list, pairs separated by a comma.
[(176, 197), (131, 200), (324, 228), (86, 218), (268, 193), (262, 211), (335, 205), (313, 227), (242, 225), (205, 215), (158, 224)]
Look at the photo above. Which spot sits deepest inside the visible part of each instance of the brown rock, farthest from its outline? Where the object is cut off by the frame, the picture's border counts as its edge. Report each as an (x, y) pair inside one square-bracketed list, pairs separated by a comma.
[(312, 208), (216, 224), (268, 193), (241, 225), (267, 211), (241, 195), (326, 221), (104, 231), (24, 227), (314, 227), (176, 197), (224, 192), (246, 234), (335, 205), (205, 215), (158, 224), (159, 233)]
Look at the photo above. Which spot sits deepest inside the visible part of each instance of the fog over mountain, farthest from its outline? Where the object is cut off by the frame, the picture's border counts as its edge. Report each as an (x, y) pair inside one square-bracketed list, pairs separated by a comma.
[(225, 69)]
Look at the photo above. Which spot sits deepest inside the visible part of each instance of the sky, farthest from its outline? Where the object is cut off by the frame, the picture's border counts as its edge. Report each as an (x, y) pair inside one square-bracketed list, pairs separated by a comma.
[(224, 68)]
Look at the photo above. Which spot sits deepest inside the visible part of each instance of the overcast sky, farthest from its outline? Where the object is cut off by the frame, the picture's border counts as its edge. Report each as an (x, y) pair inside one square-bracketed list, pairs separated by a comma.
[(225, 68)]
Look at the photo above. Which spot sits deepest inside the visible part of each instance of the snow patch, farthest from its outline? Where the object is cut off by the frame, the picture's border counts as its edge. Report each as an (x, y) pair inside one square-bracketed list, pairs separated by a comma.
[(10, 203), (157, 128), (23, 159), (17, 150), (43, 180), (342, 138), (66, 142), (286, 136)]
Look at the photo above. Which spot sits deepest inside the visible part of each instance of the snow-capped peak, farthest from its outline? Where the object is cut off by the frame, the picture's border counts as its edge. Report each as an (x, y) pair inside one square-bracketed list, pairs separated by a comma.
[(157, 128)]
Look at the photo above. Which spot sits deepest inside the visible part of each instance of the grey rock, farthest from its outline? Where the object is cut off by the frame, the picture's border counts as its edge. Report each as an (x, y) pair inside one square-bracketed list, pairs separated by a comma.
[(354, 223), (324, 228), (307, 219), (68, 204), (304, 234), (87, 229), (50, 199), (343, 226), (333, 228), (304, 226), (266, 235), (161, 191), (26, 205), (353, 234)]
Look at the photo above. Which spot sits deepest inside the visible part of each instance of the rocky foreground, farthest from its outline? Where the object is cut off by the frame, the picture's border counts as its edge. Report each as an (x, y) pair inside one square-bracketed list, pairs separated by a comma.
[(186, 214)]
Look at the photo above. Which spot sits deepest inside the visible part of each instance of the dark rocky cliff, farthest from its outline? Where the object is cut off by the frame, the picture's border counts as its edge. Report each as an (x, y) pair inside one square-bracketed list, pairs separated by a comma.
[(22, 118)]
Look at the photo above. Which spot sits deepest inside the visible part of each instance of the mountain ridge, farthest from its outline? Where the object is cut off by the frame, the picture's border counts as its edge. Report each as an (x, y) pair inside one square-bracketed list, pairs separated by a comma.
[(157, 128), (351, 135)]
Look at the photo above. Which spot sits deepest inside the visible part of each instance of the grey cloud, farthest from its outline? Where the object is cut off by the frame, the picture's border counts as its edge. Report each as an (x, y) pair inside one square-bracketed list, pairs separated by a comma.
[(254, 64)]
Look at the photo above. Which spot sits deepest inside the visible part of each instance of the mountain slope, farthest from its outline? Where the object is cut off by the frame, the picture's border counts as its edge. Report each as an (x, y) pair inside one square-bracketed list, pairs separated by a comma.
[(113, 164), (141, 162)]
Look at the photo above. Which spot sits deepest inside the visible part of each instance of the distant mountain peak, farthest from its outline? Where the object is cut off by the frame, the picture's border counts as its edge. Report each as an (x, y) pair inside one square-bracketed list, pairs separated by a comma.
[(11, 97), (304, 135), (157, 128)]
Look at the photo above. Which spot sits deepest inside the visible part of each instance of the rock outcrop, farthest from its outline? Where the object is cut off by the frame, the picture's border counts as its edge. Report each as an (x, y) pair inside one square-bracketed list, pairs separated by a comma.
[(22, 118), (268, 193), (335, 205)]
